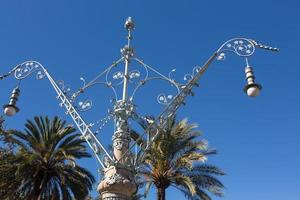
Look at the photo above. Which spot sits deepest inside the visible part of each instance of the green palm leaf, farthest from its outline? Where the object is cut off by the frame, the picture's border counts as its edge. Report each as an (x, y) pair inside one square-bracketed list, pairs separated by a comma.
[(44, 163), (177, 158)]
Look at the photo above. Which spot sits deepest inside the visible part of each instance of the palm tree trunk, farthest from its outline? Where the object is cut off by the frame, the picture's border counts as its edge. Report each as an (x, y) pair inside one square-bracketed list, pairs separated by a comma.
[(161, 193), (38, 191), (38, 195)]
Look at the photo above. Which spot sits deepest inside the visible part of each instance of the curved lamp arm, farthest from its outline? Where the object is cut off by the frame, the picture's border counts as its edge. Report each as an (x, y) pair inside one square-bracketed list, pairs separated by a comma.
[(25, 69), (242, 47)]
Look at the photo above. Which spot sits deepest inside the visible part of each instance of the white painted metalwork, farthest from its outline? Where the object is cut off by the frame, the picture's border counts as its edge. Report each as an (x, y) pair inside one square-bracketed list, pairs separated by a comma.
[(119, 167), (242, 47), (27, 68)]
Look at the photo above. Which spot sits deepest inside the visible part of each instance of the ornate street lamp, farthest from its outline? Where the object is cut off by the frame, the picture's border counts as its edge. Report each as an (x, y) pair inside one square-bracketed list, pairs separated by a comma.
[(118, 168)]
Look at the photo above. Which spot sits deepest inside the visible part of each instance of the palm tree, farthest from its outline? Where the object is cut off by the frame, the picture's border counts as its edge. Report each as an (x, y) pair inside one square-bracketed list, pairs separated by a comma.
[(8, 181), (176, 159), (44, 162)]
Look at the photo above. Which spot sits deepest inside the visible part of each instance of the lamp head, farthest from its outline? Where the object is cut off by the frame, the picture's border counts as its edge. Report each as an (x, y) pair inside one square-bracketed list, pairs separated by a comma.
[(11, 109), (252, 90)]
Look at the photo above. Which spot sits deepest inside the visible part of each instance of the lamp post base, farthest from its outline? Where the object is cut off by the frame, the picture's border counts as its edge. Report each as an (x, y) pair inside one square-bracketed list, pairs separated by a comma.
[(118, 184), (111, 196)]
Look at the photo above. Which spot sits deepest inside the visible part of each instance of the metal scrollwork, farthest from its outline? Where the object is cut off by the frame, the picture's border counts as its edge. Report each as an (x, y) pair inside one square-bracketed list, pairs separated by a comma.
[(113, 78), (240, 46), (152, 74), (40, 75), (81, 106), (83, 81), (188, 77), (65, 88), (27, 68), (74, 95), (118, 75), (84, 105), (164, 99), (134, 74)]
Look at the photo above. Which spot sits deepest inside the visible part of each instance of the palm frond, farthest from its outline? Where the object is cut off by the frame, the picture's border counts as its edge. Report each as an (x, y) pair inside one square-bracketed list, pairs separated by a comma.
[(177, 158), (43, 162)]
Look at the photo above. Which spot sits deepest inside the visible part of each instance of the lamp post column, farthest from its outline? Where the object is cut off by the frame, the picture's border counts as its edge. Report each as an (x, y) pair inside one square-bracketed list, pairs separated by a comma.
[(118, 182)]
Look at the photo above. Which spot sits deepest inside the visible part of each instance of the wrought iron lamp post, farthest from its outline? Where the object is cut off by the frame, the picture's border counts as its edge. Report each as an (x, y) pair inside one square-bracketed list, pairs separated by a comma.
[(118, 167)]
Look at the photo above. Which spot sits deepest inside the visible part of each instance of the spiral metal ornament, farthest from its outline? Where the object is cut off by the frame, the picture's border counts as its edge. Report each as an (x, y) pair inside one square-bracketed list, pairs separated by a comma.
[(84, 105), (27, 68), (65, 88), (81, 106), (240, 46), (164, 99), (151, 75), (115, 79), (118, 76), (188, 77), (134, 74)]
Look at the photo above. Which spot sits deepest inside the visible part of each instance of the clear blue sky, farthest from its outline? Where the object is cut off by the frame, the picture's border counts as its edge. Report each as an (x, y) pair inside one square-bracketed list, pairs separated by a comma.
[(257, 139)]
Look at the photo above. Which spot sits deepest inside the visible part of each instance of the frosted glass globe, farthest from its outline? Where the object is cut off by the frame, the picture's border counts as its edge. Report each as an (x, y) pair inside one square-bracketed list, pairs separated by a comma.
[(10, 110), (253, 91)]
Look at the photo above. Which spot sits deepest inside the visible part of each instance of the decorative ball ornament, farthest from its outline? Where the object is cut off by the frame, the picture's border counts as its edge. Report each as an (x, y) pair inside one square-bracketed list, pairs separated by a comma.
[(129, 24)]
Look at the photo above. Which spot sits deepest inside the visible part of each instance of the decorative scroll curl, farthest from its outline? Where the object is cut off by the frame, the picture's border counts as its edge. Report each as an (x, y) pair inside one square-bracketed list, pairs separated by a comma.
[(27, 68), (103, 78), (240, 46), (152, 74), (81, 106), (114, 78), (65, 88), (188, 77), (84, 105), (164, 99)]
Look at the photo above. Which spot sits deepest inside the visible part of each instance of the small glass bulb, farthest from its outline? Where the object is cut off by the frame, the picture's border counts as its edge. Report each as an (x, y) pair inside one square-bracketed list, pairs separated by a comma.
[(10, 111), (253, 91)]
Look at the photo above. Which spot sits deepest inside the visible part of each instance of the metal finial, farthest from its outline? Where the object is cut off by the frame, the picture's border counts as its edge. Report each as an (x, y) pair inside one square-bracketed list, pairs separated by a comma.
[(129, 24)]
